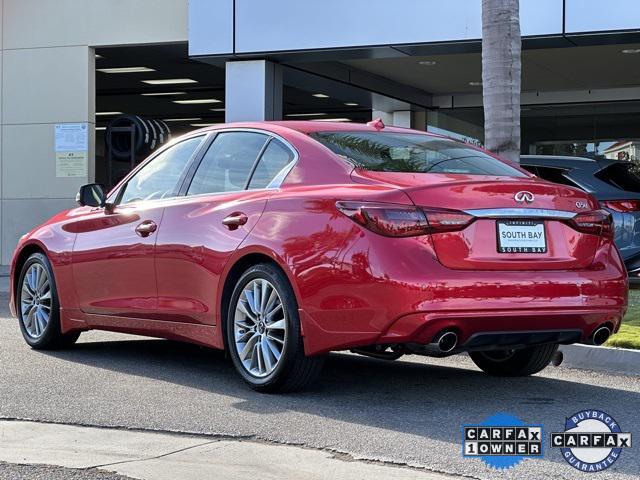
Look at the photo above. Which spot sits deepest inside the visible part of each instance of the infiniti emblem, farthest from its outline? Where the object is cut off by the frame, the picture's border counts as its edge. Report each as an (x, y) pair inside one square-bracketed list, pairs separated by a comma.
[(523, 197)]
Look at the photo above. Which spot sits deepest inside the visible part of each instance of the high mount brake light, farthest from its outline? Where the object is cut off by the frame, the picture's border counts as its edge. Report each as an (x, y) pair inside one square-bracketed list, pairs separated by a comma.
[(394, 220), (622, 206), (596, 222)]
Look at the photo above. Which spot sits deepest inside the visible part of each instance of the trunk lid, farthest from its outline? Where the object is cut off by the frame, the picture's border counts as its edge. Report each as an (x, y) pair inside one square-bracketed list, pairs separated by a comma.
[(540, 216)]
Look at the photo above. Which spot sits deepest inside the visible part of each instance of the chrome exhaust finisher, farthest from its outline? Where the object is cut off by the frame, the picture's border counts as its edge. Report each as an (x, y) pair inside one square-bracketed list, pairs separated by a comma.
[(446, 341), (600, 336)]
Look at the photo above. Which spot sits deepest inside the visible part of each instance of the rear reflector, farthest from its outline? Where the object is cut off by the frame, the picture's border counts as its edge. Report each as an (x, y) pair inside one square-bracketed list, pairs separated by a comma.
[(394, 220), (622, 205), (597, 222)]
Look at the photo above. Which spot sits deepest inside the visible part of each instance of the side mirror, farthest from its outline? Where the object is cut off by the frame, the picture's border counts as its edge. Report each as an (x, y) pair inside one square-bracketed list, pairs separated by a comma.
[(92, 195)]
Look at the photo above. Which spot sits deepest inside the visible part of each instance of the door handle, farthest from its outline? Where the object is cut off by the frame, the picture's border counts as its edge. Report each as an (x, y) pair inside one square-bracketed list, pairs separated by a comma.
[(233, 221), (146, 228)]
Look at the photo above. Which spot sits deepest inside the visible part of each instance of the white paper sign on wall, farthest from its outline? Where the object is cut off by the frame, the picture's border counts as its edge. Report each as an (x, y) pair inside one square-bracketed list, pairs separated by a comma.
[(71, 149)]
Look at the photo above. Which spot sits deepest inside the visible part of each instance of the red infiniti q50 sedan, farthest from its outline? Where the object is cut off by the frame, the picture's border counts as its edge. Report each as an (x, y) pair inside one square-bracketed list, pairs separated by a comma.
[(282, 241)]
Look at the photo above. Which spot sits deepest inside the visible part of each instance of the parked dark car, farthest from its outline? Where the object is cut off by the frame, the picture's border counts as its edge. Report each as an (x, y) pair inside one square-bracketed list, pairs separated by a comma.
[(613, 183)]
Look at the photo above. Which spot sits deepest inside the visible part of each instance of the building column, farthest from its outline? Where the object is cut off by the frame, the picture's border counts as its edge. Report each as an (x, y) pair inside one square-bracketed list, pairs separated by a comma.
[(253, 91)]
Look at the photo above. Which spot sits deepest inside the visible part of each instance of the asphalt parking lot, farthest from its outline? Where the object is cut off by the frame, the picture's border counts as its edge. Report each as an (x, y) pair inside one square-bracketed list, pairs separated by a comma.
[(408, 411)]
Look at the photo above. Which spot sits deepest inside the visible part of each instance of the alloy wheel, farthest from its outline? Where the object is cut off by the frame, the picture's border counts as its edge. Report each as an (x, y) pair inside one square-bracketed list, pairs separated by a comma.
[(260, 327), (35, 300)]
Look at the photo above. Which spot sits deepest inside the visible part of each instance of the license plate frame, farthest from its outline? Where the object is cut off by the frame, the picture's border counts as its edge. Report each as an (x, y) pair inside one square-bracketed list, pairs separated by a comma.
[(526, 244)]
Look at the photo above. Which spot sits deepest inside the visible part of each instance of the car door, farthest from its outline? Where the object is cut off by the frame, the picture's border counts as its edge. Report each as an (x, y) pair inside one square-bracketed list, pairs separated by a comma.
[(113, 256), (223, 201)]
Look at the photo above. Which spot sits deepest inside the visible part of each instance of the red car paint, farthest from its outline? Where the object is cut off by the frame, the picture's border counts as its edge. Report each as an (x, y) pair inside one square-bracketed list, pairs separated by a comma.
[(354, 287)]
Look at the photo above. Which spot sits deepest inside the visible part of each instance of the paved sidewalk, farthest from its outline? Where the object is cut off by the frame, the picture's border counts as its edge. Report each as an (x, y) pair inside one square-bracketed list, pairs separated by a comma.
[(154, 455)]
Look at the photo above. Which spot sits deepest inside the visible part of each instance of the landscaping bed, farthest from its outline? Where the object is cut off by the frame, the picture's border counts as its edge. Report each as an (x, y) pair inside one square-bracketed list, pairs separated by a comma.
[(629, 334)]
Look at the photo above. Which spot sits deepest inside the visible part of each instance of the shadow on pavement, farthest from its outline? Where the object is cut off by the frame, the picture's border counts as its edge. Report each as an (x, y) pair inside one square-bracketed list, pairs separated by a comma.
[(414, 398)]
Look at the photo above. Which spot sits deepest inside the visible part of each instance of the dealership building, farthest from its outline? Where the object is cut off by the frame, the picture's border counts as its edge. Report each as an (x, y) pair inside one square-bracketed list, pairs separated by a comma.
[(83, 80)]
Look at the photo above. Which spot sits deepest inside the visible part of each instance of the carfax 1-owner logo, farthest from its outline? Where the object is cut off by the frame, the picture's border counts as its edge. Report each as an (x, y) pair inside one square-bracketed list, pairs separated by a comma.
[(592, 440), (502, 441)]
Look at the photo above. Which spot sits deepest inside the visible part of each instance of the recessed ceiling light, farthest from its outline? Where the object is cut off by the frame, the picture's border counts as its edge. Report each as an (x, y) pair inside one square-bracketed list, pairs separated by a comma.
[(475, 84), (162, 94), (427, 63), (108, 113), (631, 51), (331, 120), (197, 101), (169, 81), (217, 109), (351, 104), (126, 70), (304, 114), (190, 119), (320, 95), (203, 124)]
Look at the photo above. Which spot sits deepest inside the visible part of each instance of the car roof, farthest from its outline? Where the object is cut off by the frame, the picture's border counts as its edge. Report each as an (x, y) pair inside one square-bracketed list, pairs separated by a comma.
[(567, 162), (308, 126), (559, 157)]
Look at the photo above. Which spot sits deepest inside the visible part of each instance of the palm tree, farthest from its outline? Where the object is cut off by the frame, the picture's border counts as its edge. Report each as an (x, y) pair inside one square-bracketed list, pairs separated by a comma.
[(501, 68)]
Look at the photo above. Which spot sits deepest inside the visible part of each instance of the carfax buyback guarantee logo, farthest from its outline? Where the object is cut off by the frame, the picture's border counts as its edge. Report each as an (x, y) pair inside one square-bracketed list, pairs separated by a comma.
[(592, 440), (502, 441)]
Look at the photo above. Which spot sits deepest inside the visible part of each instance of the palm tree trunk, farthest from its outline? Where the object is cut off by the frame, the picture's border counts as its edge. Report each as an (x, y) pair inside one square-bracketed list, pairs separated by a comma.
[(501, 70)]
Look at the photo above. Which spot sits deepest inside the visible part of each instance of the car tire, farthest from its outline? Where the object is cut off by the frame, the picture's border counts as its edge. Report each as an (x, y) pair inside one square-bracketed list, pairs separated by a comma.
[(39, 332), (257, 332), (516, 363)]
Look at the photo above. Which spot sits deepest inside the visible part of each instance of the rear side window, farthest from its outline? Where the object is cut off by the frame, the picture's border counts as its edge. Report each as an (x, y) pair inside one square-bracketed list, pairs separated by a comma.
[(274, 159), (555, 175), (404, 152), (620, 175), (227, 164)]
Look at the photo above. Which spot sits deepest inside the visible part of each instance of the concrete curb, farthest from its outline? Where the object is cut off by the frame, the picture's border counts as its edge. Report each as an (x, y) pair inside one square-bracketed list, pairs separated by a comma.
[(154, 455), (601, 359)]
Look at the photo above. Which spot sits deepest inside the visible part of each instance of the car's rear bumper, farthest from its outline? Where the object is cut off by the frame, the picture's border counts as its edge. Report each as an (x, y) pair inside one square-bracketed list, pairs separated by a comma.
[(398, 292), (471, 303), (476, 329), (471, 327)]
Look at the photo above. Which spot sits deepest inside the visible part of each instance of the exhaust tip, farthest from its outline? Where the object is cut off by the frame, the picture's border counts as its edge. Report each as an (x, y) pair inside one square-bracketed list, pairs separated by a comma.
[(447, 341), (557, 358), (601, 335)]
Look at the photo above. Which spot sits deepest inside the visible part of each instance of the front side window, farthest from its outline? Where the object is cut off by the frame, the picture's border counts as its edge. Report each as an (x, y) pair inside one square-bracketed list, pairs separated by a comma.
[(159, 178), (274, 159), (415, 153), (227, 164)]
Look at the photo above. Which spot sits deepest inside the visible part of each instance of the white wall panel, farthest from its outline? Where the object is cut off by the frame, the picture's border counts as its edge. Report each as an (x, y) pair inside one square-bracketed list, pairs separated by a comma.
[(210, 27), (284, 25), (125, 22), (598, 15), (47, 23), (46, 85)]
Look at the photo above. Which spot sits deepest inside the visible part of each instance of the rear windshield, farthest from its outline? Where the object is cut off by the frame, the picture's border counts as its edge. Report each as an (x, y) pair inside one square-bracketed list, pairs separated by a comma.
[(407, 152), (621, 175)]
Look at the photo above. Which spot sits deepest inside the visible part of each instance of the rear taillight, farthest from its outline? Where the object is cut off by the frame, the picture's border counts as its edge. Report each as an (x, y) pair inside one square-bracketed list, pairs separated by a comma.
[(597, 222), (403, 220), (623, 206)]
